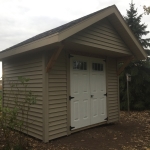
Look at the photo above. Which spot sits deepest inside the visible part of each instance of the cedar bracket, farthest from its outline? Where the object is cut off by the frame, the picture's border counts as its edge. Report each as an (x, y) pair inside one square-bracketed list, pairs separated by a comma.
[(126, 62), (71, 127), (54, 58)]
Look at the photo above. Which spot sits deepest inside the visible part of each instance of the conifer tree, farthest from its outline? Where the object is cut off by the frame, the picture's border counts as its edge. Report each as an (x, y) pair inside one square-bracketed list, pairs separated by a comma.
[(138, 28), (139, 87)]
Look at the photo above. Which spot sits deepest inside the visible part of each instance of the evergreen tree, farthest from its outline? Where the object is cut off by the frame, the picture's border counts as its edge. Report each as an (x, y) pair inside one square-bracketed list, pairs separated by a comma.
[(139, 87), (134, 22)]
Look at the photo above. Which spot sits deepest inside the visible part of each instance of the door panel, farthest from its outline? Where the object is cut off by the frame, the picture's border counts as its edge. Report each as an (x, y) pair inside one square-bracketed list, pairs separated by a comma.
[(79, 76), (98, 88), (88, 86)]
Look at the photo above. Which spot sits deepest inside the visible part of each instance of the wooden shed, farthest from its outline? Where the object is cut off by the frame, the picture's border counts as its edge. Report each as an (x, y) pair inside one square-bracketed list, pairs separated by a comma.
[(73, 71)]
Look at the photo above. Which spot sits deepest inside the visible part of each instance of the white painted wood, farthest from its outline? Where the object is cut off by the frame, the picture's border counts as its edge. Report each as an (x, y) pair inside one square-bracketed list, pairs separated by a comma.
[(80, 90), (98, 89), (85, 108)]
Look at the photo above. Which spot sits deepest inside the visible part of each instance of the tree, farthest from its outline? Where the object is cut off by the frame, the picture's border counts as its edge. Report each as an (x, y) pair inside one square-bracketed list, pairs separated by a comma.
[(139, 88), (134, 22), (146, 10)]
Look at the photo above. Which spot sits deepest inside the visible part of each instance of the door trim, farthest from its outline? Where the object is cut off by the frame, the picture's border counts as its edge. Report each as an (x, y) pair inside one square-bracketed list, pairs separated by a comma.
[(106, 83)]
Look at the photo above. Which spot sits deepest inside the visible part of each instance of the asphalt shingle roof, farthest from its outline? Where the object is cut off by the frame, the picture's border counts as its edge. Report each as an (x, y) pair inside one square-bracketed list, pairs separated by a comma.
[(56, 30)]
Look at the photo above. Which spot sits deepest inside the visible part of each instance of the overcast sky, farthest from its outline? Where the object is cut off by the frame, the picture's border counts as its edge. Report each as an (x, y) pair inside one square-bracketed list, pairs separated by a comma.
[(22, 19)]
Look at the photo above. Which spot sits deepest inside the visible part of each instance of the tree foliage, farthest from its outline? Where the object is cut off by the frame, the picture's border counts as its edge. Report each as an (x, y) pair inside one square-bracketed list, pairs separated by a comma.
[(139, 87), (16, 118), (138, 28), (146, 10)]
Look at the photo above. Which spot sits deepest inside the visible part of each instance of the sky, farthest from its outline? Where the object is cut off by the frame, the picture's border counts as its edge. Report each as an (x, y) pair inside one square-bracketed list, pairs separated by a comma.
[(22, 19)]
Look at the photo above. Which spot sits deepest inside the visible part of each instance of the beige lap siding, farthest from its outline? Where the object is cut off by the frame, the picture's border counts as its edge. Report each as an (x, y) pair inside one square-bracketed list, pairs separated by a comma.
[(101, 35), (112, 91), (58, 98), (29, 67)]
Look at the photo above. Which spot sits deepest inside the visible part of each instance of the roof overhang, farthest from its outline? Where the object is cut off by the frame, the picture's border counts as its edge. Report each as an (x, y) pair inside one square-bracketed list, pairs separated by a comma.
[(113, 16)]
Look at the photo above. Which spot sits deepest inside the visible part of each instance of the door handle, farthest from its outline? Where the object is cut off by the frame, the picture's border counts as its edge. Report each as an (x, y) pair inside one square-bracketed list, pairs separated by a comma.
[(92, 96)]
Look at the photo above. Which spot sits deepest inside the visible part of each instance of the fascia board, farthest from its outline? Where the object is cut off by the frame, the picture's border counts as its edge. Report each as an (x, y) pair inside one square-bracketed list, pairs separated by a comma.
[(27, 47)]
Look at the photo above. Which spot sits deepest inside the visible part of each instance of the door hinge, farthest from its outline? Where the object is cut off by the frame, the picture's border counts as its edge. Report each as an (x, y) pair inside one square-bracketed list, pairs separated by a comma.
[(104, 60), (105, 94), (106, 119), (71, 127), (70, 56), (70, 97)]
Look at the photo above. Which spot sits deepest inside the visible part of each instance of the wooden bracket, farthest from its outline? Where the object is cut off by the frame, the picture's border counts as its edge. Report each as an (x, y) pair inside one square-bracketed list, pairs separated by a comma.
[(126, 62), (54, 58)]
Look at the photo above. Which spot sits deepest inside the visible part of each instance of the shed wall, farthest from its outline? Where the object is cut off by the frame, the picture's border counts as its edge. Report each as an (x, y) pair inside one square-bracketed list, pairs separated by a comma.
[(57, 90), (112, 91), (29, 67), (101, 35)]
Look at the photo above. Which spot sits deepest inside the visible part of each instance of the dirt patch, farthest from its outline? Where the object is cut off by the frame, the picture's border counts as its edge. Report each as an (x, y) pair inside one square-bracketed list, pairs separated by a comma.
[(131, 133)]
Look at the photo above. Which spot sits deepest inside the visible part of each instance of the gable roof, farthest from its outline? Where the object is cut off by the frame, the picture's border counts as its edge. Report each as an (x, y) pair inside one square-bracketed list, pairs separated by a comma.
[(64, 31)]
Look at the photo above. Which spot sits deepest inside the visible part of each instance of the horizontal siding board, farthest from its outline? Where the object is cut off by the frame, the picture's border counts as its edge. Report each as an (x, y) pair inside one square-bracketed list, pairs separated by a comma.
[(58, 97), (113, 110), (19, 85), (29, 68), (56, 114), (101, 36), (58, 122), (105, 36), (25, 66), (30, 77), (57, 76), (24, 74), (21, 91), (56, 128), (51, 106), (103, 32), (61, 117), (54, 131), (22, 61), (100, 41), (57, 109), (34, 89), (54, 136), (23, 70), (57, 86), (57, 92), (51, 89), (57, 80), (58, 101), (99, 46), (57, 72), (11, 101), (102, 27)]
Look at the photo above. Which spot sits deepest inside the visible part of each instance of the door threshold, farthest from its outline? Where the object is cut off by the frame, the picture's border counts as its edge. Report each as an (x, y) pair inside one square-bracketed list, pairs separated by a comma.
[(87, 127)]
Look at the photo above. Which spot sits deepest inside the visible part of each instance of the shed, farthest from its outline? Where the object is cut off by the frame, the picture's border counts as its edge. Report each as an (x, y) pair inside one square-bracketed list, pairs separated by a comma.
[(73, 71)]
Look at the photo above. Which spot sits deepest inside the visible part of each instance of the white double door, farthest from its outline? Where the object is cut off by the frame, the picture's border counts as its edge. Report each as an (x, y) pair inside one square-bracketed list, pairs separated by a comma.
[(88, 89)]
